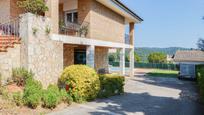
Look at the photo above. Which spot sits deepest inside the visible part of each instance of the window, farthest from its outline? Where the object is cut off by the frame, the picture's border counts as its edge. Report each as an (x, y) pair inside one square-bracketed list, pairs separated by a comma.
[(71, 16)]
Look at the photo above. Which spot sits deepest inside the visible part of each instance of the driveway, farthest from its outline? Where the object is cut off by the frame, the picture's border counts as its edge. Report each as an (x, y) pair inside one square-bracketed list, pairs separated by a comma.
[(145, 96)]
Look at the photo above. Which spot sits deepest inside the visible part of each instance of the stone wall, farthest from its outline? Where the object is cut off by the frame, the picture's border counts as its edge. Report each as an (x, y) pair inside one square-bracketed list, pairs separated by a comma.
[(68, 55), (101, 58), (39, 53), (8, 61)]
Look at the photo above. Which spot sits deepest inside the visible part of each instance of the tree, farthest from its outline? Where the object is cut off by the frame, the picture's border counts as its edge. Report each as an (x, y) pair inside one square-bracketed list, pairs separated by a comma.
[(33, 6), (157, 57), (137, 57), (201, 44)]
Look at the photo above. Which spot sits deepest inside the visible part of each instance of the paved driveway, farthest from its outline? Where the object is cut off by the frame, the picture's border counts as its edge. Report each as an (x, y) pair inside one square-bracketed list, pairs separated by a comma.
[(145, 96)]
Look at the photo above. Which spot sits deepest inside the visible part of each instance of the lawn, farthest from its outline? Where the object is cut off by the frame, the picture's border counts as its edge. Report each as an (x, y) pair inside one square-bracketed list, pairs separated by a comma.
[(163, 73)]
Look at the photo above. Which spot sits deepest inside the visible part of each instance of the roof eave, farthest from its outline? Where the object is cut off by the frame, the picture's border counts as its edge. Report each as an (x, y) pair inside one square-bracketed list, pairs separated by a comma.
[(121, 5)]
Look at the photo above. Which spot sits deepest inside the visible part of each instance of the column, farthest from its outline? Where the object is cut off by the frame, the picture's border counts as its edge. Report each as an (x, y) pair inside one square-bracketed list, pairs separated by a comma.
[(132, 32), (122, 61), (53, 14), (132, 61), (90, 55)]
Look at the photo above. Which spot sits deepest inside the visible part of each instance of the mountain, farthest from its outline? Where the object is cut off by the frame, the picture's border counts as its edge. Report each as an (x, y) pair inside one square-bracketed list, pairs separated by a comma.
[(144, 52)]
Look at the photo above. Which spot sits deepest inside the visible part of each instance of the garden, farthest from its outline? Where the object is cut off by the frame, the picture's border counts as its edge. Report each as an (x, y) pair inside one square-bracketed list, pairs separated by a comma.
[(77, 84)]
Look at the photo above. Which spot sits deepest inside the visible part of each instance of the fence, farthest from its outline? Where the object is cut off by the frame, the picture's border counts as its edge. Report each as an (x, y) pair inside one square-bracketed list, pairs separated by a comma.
[(148, 65)]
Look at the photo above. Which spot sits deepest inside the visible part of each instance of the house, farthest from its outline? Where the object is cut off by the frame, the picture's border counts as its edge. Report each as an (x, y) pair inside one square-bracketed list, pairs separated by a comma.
[(187, 61), (71, 32)]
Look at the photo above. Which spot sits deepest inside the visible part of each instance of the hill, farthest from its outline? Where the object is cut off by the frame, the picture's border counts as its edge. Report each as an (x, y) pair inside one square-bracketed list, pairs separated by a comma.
[(144, 52)]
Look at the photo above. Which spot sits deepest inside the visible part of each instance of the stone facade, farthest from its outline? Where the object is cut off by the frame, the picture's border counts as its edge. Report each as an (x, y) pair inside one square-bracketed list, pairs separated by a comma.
[(39, 53), (101, 58), (68, 55), (8, 61)]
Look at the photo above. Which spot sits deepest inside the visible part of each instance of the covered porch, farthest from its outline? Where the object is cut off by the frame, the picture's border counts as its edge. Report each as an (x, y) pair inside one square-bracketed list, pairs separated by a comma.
[(94, 53)]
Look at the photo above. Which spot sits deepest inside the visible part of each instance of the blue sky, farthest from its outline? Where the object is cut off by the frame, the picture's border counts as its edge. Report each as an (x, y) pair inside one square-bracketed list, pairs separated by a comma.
[(168, 23)]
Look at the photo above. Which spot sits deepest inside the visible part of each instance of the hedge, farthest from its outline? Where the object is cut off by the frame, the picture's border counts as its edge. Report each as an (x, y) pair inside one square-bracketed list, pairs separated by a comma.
[(111, 84), (200, 80)]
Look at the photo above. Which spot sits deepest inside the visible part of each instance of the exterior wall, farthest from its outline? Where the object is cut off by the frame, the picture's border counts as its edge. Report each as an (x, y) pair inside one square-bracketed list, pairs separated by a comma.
[(101, 58), (39, 53), (8, 61), (4, 10), (106, 24), (68, 55), (70, 5), (15, 11)]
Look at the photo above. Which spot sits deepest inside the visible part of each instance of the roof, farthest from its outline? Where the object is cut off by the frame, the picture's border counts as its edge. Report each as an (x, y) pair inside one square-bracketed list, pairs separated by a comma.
[(189, 56), (128, 10), (119, 7)]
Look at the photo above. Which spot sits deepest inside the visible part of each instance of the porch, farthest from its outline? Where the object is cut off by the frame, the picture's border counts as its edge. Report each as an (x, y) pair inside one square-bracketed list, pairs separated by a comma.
[(94, 53)]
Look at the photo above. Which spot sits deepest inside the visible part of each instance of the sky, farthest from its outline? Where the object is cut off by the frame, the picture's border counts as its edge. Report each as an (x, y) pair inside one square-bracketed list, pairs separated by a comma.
[(168, 23)]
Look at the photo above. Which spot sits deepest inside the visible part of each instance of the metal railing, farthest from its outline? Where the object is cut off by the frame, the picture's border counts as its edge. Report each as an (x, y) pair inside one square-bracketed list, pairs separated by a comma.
[(74, 29), (10, 27)]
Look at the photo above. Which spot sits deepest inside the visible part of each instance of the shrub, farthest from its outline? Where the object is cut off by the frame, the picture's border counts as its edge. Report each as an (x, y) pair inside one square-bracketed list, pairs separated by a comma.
[(34, 6), (200, 80), (18, 98), (20, 75), (81, 82), (65, 96), (32, 93), (51, 96), (111, 85)]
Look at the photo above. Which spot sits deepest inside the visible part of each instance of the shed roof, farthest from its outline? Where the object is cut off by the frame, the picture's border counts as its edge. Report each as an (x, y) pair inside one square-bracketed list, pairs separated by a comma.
[(189, 56)]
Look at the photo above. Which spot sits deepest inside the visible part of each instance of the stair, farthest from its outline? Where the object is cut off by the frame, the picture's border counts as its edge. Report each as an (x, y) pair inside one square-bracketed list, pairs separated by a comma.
[(8, 42)]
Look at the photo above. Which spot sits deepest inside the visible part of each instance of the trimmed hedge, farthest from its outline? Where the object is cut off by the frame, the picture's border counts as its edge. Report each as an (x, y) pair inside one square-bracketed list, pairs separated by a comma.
[(81, 82), (200, 80), (111, 84)]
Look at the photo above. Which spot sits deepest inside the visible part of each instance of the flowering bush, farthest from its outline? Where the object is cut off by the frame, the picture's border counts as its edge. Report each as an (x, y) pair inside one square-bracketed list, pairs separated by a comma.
[(81, 82)]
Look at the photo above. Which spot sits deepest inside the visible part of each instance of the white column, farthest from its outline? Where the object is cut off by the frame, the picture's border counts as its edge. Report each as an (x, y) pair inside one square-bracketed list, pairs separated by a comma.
[(122, 61), (90, 56), (132, 61)]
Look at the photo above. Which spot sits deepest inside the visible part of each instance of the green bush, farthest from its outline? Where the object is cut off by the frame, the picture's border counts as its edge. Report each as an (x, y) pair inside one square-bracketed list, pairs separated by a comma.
[(34, 6), (200, 80), (65, 96), (18, 98), (51, 96), (20, 75), (81, 82), (111, 85), (32, 93)]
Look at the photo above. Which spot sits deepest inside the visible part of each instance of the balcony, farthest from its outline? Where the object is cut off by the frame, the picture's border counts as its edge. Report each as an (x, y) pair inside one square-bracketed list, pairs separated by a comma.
[(74, 29)]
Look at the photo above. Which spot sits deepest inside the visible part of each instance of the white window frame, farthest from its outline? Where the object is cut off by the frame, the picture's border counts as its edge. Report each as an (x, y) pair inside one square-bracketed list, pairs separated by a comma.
[(68, 12)]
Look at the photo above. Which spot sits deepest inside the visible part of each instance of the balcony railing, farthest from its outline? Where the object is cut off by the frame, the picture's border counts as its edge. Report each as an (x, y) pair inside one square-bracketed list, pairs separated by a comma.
[(75, 29), (10, 27)]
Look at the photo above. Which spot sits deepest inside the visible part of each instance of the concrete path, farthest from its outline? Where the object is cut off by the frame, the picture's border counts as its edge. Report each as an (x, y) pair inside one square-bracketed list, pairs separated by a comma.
[(145, 96)]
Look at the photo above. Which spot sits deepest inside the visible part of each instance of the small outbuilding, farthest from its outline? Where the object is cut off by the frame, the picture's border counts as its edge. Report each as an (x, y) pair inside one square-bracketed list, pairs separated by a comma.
[(187, 60)]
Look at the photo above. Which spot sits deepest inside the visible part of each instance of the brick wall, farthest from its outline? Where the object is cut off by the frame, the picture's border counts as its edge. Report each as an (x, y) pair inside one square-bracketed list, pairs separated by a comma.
[(101, 58), (105, 24), (68, 55), (4, 10)]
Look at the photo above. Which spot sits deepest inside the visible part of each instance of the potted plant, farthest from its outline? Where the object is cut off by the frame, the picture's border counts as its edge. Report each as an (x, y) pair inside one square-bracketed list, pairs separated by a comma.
[(83, 31)]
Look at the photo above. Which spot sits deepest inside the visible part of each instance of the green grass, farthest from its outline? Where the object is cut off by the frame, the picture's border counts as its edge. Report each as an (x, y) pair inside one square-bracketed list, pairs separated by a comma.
[(163, 73)]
